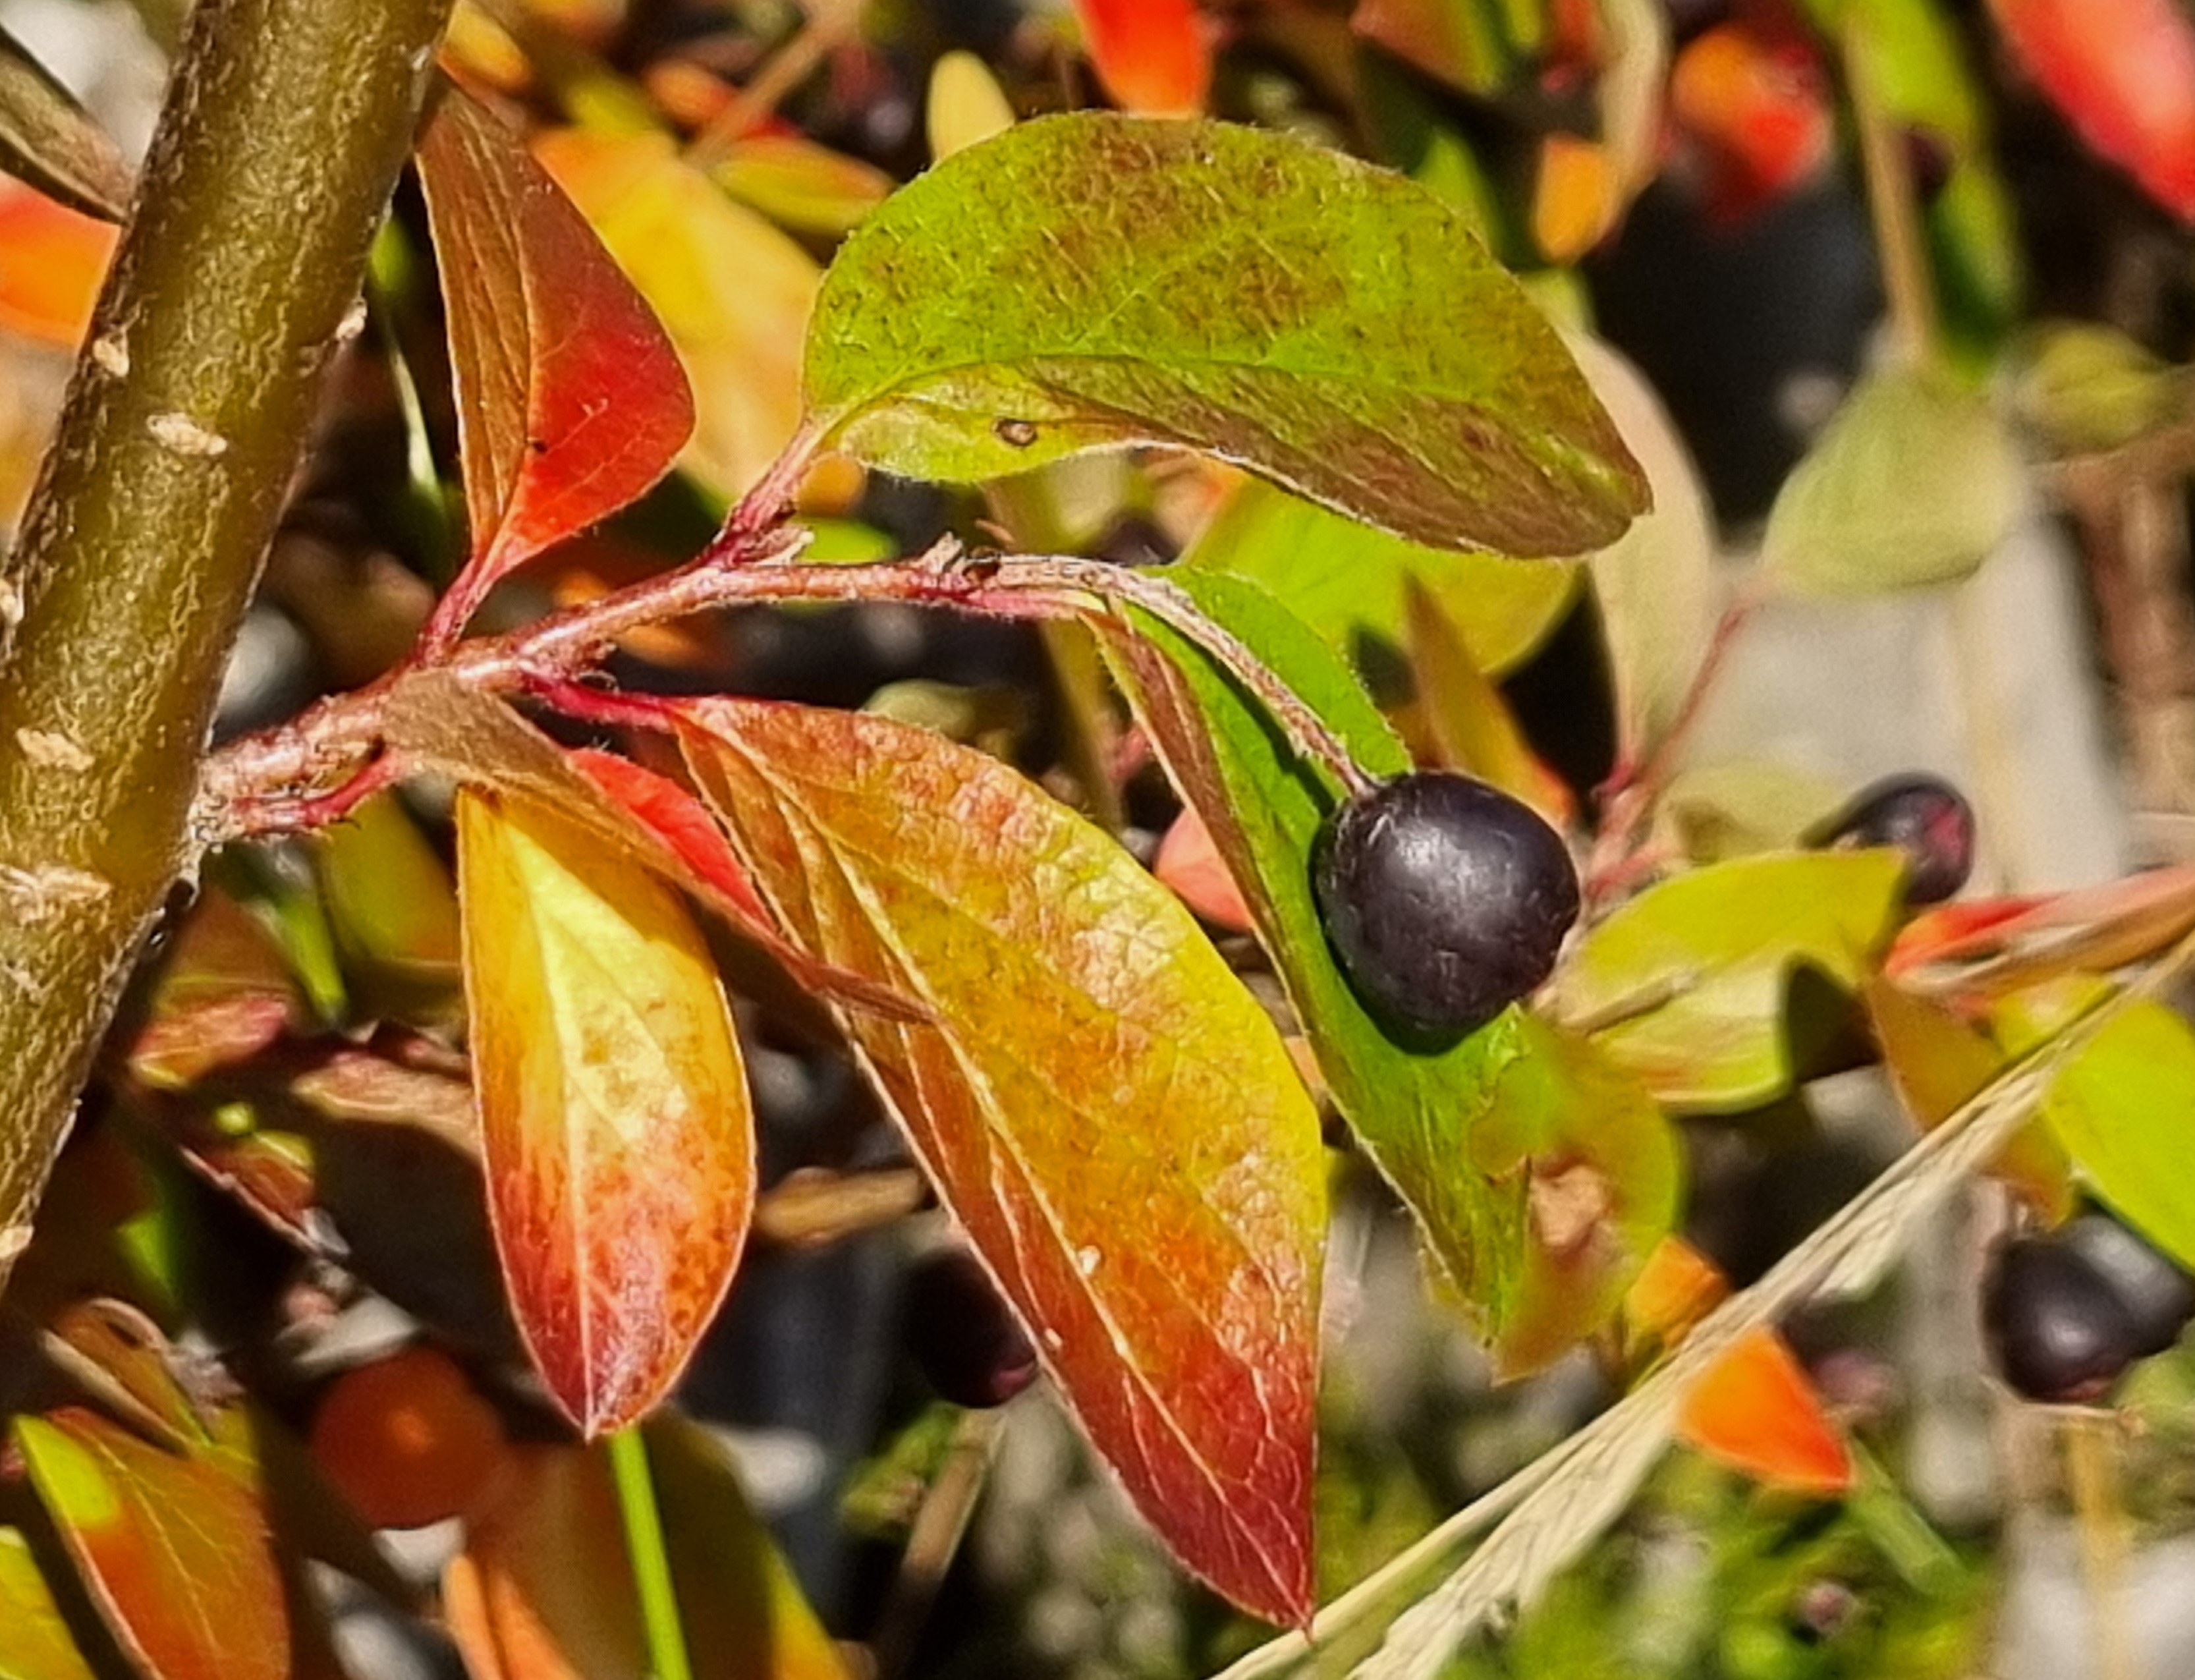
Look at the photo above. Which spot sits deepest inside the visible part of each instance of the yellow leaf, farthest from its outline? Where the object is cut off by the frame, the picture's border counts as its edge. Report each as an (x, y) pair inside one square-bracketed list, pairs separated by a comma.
[(615, 1123)]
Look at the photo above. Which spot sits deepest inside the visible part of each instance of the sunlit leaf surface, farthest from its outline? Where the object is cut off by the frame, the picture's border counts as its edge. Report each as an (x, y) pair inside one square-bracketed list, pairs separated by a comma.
[(1099, 1101), (1092, 279), (615, 1122)]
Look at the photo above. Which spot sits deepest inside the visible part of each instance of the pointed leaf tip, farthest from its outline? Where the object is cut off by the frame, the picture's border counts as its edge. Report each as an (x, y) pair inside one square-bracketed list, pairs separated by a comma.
[(1089, 281), (602, 1049), (571, 401), (1107, 1112)]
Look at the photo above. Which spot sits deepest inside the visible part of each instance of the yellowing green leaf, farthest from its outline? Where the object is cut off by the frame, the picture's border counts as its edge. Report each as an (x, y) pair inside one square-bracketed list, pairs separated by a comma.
[(1090, 279), (799, 184), (965, 104), (1416, 1113), (1104, 1108), (172, 1546), (1684, 984), (38, 1644), (1914, 482), (615, 1123), (2124, 1108), (1466, 717), (732, 291), (1340, 576), (1601, 1168), (1656, 583)]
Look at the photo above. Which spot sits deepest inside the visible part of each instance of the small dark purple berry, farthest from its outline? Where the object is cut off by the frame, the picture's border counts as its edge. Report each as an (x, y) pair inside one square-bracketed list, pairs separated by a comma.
[(1925, 818), (963, 1337), (1445, 899), (2056, 1328), (2157, 1298)]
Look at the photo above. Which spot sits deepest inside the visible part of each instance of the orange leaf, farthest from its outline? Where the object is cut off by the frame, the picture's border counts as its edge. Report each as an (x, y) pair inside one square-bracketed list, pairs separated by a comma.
[(52, 262), (543, 1588), (1755, 1411), (570, 400), (1936, 1062), (172, 1546), (1153, 56), (1573, 197), (2123, 73), (602, 1052), (1107, 1111)]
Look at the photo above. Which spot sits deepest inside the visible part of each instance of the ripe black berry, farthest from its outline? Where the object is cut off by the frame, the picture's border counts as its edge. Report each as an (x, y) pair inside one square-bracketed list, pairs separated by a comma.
[(1925, 818), (962, 1336), (2157, 1298), (2057, 1330), (1445, 901)]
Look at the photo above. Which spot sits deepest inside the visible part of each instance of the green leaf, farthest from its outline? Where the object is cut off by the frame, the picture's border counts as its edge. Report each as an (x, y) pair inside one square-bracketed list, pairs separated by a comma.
[(1090, 279), (46, 140), (1104, 1108), (1342, 577), (2124, 1108), (1914, 482), (1415, 1112), (1684, 984)]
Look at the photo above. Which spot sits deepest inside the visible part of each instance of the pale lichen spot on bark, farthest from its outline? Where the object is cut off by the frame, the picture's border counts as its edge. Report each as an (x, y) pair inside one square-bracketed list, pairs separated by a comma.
[(180, 435), (353, 323), (13, 1239), (49, 749), (110, 354), (11, 605)]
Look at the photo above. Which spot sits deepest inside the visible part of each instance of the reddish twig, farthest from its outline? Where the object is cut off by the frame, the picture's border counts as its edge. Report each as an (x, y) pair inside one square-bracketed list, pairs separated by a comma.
[(303, 770)]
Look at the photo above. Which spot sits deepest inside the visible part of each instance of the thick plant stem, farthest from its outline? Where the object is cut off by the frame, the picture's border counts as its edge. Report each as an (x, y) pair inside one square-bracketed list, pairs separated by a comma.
[(285, 124)]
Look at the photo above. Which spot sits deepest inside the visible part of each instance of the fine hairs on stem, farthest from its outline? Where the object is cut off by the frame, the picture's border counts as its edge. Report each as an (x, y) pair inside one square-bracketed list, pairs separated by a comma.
[(300, 773)]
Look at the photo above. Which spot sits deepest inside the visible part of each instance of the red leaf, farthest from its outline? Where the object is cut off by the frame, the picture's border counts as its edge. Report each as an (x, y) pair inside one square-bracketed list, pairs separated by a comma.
[(173, 1547), (1153, 56), (2123, 72), (571, 402), (683, 822), (615, 1123), (1106, 1109)]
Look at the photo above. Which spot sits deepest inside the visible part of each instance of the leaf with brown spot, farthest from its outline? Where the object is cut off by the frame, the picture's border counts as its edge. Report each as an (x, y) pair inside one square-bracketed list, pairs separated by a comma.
[(1092, 280), (615, 1122), (570, 400), (1107, 1111), (173, 1547), (1601, 1165)]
